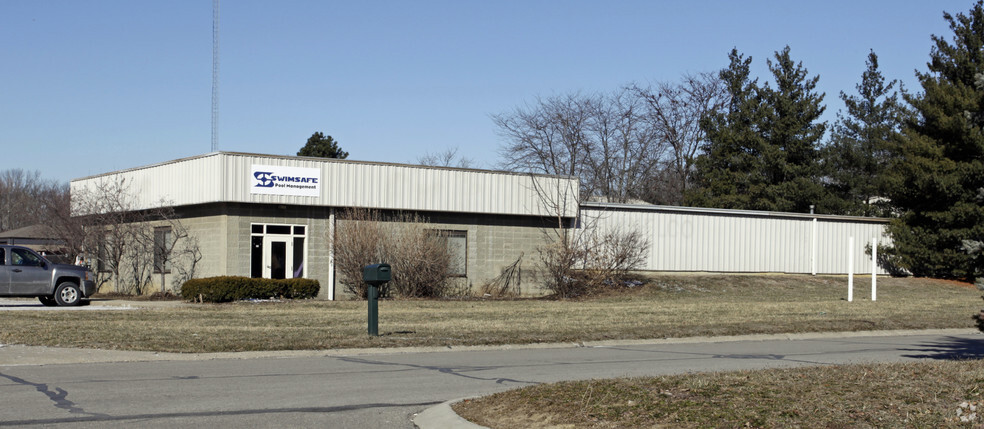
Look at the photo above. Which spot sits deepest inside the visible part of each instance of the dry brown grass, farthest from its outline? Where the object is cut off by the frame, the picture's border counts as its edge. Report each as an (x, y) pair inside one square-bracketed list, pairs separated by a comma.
[(933, 394), (670, 306)]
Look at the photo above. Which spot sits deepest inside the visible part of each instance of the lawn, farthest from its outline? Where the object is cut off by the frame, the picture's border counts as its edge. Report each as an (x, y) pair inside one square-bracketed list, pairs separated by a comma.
[(925, 394), (668, 306)]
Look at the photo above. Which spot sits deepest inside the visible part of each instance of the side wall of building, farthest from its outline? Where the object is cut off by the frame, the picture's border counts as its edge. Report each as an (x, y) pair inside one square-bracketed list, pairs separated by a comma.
[(684, 239)]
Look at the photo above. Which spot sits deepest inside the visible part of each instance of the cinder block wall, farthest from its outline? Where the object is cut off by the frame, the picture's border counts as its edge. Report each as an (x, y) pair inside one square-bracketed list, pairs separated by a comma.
[(492, 246), (493, 242)]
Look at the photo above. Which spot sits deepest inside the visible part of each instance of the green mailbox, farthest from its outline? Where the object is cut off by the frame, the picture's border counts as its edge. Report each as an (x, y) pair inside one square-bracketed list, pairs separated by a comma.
[(375, 275)]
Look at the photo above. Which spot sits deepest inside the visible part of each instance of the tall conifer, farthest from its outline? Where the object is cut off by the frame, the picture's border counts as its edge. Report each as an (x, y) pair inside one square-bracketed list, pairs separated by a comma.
[(762, 152), (940, 172), (725, 173), (863, 143), (793, 132)]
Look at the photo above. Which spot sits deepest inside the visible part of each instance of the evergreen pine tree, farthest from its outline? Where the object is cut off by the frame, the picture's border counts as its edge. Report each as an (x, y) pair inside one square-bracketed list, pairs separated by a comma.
[(940, 171), (793, 134), (863, 143), (726, 173), (322, 146), (762, 152)]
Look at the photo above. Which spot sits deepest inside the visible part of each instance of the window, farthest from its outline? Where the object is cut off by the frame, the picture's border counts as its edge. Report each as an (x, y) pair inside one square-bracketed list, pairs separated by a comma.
[(457, 242), (102, 253), (298, 255), (278, 229), (3, 258), (256, 256), (163, 244), (24, 258)]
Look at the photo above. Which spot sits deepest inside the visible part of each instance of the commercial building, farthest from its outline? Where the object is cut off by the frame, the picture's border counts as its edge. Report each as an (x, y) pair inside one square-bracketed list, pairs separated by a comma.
[(276, 217)]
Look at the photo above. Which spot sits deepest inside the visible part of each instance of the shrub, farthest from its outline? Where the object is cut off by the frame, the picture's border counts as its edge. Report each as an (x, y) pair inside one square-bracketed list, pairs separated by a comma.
[(420, 260), (232, 288), (419, 257), (581, 262), (357, 245)]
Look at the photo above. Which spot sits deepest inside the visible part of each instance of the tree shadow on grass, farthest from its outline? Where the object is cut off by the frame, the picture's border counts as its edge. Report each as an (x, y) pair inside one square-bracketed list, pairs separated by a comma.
[(951, 348)]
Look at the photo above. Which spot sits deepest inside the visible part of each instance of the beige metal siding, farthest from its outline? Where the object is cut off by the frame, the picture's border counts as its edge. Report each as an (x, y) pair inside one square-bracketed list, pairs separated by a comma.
[(832, 245), (227, 177), (741, 241), (177, 183)]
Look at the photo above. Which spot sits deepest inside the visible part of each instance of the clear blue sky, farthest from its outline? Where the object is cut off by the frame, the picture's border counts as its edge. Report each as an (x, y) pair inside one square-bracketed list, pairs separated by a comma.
[(92, 86)]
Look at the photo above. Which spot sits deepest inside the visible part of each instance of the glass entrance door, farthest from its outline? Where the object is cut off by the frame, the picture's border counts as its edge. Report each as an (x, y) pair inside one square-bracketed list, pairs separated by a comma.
[(277, 251), (278, 257)]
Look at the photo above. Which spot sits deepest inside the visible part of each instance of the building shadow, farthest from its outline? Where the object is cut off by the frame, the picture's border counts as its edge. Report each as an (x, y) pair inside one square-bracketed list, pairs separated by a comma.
[(950, 348)]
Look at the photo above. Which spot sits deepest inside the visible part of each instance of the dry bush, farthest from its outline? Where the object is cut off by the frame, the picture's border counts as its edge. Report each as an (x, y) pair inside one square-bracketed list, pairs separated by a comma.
[(357, 244), (616, 253), (585, 261), (507, 284), (418, 256)]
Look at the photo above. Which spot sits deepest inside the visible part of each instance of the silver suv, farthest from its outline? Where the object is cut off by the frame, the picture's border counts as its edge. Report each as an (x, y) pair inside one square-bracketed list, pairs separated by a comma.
[(24, 273)]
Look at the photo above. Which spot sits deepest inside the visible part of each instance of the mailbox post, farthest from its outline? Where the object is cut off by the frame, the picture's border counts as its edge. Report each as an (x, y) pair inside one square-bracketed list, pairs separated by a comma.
[(375, 275)]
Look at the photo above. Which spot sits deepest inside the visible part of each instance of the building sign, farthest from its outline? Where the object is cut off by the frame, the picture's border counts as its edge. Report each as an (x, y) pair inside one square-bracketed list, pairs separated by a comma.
[(278, 180)]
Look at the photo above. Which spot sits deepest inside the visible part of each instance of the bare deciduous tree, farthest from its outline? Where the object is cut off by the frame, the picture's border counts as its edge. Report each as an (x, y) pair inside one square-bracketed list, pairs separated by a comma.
[(446, 158), (608, 141), (623, 148), (172, 243), (124, 240), (674, 110), (110, 216), (25, 198), (548, 137), (186, 260), (632, 144)]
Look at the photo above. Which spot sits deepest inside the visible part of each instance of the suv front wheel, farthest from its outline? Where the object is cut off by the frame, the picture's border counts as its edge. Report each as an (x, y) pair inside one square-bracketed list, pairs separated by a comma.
[(68, 293)]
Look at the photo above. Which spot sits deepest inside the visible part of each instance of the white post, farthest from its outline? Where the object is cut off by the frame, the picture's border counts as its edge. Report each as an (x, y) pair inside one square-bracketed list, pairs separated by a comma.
[(331, 254), (850, 269), (874, 269), (813, 257)]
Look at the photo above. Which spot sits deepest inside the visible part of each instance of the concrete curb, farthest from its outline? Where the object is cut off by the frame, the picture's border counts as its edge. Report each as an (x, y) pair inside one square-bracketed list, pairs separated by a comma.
[(21, 355), (443, 417)]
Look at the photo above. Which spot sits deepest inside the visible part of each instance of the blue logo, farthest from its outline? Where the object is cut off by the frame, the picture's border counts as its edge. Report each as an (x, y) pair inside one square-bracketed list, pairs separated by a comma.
[(263, 179)]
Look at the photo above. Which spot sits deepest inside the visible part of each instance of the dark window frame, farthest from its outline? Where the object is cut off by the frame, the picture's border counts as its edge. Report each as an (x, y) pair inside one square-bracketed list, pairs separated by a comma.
[(447, 234)]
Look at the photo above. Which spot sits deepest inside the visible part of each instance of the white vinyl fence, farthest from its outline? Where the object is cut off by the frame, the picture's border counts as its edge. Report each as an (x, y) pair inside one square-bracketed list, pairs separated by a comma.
[(715, 240)]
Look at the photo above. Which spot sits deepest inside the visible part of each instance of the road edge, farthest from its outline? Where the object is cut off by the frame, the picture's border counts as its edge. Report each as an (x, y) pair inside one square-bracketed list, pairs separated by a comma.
[(23, 355)]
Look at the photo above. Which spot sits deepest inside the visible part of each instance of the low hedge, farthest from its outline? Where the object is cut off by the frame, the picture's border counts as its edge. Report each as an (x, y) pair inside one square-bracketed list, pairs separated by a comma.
[(231, 288)]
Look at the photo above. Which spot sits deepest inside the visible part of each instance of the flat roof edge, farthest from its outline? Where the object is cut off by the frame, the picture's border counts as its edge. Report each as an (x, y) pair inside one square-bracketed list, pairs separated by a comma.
[(705, 210), (325, 160)]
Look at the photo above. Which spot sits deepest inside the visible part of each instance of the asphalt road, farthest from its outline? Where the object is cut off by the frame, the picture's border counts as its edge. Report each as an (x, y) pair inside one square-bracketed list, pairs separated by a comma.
[(384, 389)]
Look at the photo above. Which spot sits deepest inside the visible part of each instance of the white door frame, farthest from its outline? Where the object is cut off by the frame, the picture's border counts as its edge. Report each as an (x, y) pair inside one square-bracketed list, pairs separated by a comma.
[(288, 262)]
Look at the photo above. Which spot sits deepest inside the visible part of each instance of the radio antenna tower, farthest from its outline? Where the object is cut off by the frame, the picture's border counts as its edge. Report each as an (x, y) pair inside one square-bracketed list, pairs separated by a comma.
[(215, 75)]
